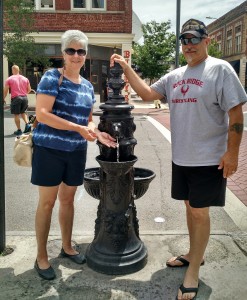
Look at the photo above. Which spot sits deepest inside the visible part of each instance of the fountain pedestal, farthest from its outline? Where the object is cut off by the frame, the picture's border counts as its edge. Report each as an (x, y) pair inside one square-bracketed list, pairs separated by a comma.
[(116, 247)]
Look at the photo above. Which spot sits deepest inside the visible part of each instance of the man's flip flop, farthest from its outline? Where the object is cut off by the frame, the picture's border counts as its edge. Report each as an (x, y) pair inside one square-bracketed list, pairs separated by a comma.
[(185, 290), (185, 262)]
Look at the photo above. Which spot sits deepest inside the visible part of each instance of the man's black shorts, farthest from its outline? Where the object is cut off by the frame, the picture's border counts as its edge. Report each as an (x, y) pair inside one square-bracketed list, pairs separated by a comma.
[(203, 186), (18, 105)]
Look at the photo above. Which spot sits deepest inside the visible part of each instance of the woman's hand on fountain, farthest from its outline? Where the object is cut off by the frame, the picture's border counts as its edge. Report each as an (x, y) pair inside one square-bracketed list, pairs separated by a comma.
[(88, 133), (106, 139)]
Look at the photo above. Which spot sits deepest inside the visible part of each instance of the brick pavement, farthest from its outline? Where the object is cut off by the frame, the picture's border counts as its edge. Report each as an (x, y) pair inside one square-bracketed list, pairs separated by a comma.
[(237, 183)]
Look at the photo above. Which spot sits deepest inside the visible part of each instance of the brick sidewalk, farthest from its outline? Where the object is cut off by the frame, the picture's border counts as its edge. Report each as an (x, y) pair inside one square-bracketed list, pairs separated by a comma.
[(236, 183)]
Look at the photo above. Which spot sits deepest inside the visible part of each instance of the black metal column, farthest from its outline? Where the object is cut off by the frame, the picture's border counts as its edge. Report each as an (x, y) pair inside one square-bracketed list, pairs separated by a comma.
[(2, 171)]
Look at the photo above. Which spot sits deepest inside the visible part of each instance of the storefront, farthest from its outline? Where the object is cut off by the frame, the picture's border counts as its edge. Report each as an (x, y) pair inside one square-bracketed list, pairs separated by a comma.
[(96, 68)]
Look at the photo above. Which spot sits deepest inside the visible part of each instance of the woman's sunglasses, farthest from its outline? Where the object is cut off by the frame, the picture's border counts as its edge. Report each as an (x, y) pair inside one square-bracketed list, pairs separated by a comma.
[(72, 51), (193, 41)]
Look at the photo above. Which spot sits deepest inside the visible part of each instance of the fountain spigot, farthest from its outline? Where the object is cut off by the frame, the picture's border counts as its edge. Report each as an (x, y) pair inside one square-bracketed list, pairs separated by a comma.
[(117, 129)]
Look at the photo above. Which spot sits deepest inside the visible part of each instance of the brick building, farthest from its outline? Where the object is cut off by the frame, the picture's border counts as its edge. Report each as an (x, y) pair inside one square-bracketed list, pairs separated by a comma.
[(230, 32), (107, 23)]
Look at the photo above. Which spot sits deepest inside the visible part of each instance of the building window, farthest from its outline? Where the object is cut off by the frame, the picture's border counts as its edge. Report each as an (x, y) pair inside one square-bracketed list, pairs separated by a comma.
[(238, 29), (98, 4), (238, 43), (79, 4), (229, 42), (229, 46), (238, 39), (219, 47), (88, 4), (219, 43), (52, 50), (45, 4)]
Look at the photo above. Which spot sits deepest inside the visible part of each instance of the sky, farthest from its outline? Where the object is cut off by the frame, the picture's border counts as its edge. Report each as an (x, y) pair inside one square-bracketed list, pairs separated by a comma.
[(164, 10)]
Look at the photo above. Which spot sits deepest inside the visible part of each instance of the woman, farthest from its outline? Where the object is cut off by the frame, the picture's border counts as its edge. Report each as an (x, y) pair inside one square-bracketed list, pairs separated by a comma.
[(64, 111)]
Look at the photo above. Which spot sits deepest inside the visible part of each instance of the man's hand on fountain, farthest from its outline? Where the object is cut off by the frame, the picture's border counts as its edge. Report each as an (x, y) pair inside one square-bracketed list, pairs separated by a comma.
[(118, 59), (106, 139)]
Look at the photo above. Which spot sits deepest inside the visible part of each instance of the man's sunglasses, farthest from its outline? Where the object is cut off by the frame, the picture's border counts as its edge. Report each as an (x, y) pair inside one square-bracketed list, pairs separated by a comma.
[(72, 51), (193, 41)]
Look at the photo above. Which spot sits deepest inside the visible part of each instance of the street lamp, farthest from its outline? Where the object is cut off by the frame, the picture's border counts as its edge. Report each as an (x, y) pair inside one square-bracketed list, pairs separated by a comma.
[(177, 33), (211, 18)]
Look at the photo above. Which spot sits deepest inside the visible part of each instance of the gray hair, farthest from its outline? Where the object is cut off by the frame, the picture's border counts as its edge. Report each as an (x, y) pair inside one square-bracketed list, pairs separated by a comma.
[(71, 36)]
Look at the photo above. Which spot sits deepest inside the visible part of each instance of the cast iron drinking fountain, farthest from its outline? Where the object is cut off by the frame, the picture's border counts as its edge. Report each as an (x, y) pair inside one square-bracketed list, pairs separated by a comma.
[(117, 247)]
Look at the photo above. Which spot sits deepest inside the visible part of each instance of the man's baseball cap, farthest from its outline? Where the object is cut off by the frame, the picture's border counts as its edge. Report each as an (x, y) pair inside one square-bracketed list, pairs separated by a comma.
[(195, 27)]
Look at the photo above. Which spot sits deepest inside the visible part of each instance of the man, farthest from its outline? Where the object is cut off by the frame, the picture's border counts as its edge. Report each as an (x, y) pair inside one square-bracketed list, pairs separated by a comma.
[(19, 87), (205, 98)]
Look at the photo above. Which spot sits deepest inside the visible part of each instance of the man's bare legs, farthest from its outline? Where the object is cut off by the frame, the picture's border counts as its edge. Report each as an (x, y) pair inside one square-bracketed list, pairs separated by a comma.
[(18, 121), (47, 198), (24, 117), (198, 222), (66, 196)]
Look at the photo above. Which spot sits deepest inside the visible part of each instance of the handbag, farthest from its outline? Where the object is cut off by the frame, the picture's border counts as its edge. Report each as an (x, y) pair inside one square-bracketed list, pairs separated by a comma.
[(23, 147), (23, 150)]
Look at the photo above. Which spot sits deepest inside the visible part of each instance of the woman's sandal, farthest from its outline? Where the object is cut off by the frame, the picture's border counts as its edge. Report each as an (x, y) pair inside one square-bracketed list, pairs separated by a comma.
[(185, 290)]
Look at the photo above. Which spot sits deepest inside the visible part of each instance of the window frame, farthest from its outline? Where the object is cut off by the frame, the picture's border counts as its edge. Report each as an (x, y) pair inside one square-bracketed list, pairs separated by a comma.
[(38, 5), (89, 6), (238, 38), (238, 42), (229, 41)]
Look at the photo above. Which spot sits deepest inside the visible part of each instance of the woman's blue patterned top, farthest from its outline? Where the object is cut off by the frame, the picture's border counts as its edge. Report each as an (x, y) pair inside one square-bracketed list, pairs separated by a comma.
[(73, 102)]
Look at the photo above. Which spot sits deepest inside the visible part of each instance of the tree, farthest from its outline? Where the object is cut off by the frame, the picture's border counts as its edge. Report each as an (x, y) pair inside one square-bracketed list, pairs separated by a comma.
[(18, 46), (154, 57), (213, 49)]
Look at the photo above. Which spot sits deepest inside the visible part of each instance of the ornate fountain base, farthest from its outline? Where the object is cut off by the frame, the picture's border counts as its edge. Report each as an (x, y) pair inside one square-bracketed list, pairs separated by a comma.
[(120, 263), (116, 248)]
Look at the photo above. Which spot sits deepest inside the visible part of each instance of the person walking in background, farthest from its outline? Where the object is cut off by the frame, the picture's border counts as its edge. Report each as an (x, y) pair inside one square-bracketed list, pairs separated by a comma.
[(18, 86), (64, 110), (205, 99)]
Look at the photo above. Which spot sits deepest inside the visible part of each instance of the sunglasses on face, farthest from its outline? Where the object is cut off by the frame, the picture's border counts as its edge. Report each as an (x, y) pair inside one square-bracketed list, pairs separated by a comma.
[(72, 51), (193, 41)]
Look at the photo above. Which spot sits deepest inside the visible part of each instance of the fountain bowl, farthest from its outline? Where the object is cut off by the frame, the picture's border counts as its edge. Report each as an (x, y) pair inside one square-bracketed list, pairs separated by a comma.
[(142, 179)]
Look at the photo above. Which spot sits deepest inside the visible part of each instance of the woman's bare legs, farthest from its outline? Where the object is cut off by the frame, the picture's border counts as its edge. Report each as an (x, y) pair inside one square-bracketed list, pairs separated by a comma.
[(66, 196), (47, 198)]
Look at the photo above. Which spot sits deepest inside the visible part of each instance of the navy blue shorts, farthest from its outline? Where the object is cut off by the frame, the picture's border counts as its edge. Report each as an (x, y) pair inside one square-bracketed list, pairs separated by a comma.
[(18, 105), (50, 167), (203, 186)]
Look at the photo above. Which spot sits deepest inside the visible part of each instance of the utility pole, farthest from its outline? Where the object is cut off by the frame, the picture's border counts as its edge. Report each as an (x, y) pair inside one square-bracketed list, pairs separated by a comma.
[(2, 171), (177, 33)]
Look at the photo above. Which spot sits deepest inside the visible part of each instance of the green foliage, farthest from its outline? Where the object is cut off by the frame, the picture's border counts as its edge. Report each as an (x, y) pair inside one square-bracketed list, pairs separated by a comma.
[(182, 60), (18, 15), (155, 55), (213, 49), (18, 46)]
